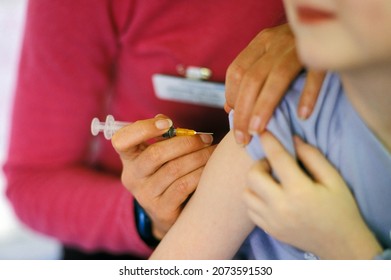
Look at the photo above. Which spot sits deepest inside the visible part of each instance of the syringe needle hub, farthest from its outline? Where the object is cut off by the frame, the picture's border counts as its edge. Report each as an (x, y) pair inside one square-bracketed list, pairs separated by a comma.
[(182, 132)]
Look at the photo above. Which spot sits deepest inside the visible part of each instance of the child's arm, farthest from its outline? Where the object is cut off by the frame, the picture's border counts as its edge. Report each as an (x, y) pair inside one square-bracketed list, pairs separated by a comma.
[(214, 223)]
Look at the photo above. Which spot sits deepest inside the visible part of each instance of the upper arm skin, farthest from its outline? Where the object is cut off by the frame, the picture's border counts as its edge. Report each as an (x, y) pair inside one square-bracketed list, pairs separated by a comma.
[(214, 223)]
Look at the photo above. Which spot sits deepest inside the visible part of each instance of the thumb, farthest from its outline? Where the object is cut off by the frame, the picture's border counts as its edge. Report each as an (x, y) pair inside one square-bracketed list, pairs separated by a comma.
[(126, 140)]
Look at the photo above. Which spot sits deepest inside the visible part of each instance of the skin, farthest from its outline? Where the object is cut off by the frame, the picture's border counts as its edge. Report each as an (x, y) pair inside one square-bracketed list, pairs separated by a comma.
[(362, 56), (284, 209), (363, 59), (258, 78), (163, 175), (215, 207), (365, 69)]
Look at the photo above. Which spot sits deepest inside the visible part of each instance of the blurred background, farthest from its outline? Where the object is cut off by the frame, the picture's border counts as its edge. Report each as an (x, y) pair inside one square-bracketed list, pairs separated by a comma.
[(16, 241)]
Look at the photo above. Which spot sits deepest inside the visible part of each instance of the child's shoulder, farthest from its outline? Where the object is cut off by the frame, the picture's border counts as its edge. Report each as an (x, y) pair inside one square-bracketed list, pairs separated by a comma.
[(331, 88), (316, 129)]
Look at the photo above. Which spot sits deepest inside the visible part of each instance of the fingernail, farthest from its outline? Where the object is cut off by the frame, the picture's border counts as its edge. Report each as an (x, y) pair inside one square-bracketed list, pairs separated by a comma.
[(255, 125), (239, 137), (304, 112), (163, 124), (206, 138)]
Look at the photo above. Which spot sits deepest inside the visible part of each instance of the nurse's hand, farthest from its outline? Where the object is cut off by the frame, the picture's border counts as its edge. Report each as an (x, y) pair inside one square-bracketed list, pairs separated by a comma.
[(160, 173), (260, 76), (316, 212)]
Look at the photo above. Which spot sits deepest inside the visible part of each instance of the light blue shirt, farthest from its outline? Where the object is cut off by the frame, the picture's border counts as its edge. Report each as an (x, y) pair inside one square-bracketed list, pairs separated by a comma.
[(338, 131)]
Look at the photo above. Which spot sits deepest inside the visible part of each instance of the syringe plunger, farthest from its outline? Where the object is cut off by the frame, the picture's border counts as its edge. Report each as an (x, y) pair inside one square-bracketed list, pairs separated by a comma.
[(109, 127)]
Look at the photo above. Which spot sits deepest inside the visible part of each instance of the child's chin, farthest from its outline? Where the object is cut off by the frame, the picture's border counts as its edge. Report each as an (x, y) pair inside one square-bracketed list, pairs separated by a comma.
[(314, 61)]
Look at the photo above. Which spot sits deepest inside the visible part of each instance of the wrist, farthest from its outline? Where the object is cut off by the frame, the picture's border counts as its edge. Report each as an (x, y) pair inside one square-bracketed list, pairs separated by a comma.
[(358, 245), (385, 255), (354, 242), (144, 226), (158, 234), (365, 245)]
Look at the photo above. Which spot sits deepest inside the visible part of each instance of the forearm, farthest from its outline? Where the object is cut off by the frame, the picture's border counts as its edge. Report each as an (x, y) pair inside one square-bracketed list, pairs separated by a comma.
[(77, 206), (214, 223)]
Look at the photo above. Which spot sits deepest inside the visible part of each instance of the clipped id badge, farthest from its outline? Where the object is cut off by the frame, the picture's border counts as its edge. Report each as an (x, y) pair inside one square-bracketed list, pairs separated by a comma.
[(191, 91)]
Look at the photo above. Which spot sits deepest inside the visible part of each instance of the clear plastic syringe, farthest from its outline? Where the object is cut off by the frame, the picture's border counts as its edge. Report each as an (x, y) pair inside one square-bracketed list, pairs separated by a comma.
[(111, 126)]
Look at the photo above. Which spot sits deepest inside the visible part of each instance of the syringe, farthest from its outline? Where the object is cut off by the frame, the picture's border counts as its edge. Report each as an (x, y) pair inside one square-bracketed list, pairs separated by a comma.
[(111, 126)]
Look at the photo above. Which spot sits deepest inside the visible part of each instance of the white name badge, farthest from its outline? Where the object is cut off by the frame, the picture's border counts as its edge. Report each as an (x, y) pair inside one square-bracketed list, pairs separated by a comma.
[(183, 90)]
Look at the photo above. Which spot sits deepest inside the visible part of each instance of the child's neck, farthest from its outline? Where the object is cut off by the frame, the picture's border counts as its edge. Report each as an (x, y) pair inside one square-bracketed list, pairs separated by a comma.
[(369, 90)]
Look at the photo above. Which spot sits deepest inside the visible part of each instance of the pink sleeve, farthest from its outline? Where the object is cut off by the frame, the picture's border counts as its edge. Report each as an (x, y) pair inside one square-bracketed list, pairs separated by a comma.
[(64, 80)]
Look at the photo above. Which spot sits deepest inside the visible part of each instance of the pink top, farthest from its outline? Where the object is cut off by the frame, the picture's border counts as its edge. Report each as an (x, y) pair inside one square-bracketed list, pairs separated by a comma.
[(85, 59)]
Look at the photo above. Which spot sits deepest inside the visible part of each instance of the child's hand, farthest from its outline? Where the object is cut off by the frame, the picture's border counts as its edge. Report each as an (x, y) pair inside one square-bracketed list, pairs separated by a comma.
[(316, 214)]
